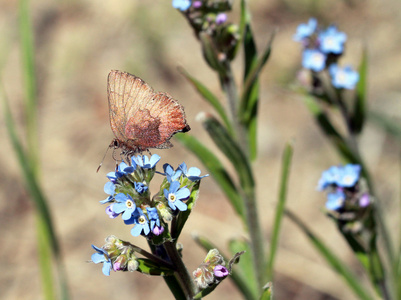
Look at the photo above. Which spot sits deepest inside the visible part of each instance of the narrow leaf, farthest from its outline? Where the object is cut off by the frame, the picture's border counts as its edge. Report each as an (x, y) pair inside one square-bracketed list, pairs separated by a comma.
[(359, 114), (216, 169), (341, 268), (245, 271), (210, 53), (391, 126), (285, 172), (327, 127), (147, 266), (209, 97), (231, 150)]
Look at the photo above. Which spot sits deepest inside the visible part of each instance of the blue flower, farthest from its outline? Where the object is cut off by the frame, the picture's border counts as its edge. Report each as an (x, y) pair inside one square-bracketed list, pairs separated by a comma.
[(124, 204), (109, 188), (140, 187), (101, 256), (332, 40), (345, 77), (144, 162), (153, 217), (121, 170), (191, 173), (329, 177), (305, 30), (313, 60), (141, 223), (335, 200), (182, 4), (345, 177), (349, 175), (175, 195), (171, 175)]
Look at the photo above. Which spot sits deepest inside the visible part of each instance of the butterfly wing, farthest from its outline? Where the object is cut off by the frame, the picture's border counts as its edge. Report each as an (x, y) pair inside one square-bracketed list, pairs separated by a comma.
[(139, 118), (171, 115), (125, 93)]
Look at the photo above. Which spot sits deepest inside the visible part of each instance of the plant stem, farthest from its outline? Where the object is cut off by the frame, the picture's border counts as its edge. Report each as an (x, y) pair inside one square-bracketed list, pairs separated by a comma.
[(182, 274)]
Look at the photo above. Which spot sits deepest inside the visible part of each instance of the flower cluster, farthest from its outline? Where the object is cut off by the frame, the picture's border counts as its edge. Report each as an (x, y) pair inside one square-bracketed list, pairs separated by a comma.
[(347, 197), (322, 49), (129, 197), (208, 19), (115, 254), (211, 271)]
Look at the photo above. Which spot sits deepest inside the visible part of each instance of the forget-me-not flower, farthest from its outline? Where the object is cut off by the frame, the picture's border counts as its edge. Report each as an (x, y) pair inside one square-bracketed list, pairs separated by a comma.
[(313, 59), (335, 200), (175, 195), (125, 205), (101, 256), (345, 77), (144, 162), (192, 173), (141, 223), (305, 30), (182, 4), (332, 40)]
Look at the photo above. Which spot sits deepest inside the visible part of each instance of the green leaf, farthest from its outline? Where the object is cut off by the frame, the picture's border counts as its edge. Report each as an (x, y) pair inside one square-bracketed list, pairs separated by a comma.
[(179, 222), (216, 169), (341, 268), (149, 267), (210, 53), (244, 16), (248, 107), (246, 280), (392, 127), (249, 97), (47, 236), (326, 126), (359, 113), (209, 97), (285, 172), (231, 150)]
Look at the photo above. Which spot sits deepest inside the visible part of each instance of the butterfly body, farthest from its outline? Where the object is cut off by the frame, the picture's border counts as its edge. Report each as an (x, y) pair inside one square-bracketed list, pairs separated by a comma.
[(139, 117)]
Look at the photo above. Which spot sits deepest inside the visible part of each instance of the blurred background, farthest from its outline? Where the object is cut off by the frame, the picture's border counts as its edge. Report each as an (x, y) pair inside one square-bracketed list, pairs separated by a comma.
[(78, 42)]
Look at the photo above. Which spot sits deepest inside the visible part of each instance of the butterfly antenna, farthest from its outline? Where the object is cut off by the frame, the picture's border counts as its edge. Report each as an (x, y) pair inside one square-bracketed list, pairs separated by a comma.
[(104, 156)]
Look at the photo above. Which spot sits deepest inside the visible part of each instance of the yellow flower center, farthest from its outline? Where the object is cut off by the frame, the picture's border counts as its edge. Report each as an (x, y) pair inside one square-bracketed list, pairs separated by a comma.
[(172, 197), (129, 203)]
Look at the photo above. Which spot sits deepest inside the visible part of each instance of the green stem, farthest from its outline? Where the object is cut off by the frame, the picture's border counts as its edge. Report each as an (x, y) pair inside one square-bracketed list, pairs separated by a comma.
[(182, 274), (248, 194)]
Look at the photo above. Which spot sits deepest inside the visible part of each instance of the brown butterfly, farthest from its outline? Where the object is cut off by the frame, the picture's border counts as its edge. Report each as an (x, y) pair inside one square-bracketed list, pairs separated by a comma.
[(140, 118)]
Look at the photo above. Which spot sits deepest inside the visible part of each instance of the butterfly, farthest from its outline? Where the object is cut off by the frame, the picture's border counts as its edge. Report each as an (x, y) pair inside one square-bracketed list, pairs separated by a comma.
[(139, 117)]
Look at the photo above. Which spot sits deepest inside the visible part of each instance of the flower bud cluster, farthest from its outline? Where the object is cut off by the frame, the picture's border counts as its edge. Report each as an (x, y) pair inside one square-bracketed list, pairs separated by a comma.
[(208, 19), (321, 50), (115, 254), (211, 271), (348, 198)]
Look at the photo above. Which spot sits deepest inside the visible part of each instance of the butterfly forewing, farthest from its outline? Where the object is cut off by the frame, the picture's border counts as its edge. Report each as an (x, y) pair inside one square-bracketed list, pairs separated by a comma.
[(139, 117)]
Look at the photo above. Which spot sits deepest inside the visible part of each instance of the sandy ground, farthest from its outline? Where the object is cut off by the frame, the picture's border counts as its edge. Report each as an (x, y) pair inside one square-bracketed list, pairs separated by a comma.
[(79, 42)]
